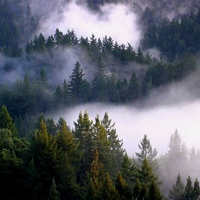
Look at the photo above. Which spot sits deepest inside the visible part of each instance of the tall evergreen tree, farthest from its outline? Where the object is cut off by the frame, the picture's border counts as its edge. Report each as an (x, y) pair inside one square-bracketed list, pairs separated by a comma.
[(76, 82), (83, 134), (146, 175), (46, 155), (128, 170), (134, 88), (109, 191), (53, 194), (177, 191), (6, 121), (147, 152), (154, 192), (122, 187), (115, 144), (96, 178), (189, 189)]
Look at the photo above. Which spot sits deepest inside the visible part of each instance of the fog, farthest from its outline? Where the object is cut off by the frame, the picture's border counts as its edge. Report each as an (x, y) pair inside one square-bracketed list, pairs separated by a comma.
[(158, 120), (112, 20)]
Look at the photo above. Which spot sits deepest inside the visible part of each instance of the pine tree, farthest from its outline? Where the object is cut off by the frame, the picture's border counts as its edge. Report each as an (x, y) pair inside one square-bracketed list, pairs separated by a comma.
[(53, 194), (46, 154), (76, 82), (115, 145), (128, 170), (177, 191), (137, 189), (134, 88), (109, 191), (66, 94), (67, 143), (146, 175), (196, 189), (122, 187), (33, 184), (154, 192), (101, 143), (13, 151), (98, 83), (147, 152), (189, 190), (96, 178), (83, 134), (6, 121)]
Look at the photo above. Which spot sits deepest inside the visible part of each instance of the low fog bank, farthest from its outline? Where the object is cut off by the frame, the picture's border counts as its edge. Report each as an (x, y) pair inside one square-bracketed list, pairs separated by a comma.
[(174, 107), (159, 123)]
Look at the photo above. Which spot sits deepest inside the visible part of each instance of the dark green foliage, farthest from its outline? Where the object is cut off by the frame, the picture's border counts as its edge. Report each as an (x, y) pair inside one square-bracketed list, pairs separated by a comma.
[(32, 182), (108, 190), (53, 194), (134, 88), (177, 191), (137, 189), (6, 121), (76, 83), (147, 152), (128, 170), (12, 153), (115, 145), (189, 190), (122, 187), (146, 175), (154, 192), (96, 178)]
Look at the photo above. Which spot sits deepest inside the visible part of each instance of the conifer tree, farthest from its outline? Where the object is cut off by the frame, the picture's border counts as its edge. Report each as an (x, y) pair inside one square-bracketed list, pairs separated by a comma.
[(109, 191), (189, 190), (96, 178), (83, 134), (115, 144), (12, 157), (53, 194), (33, 184), (101, 143), (76, 82), (128, 170), (122, 187), (177, 191), (146, 175), (196, 189), (134, 88), (154, 192), (147, 152), (46, 154), (67, 143), (137, 189), (6, 121)]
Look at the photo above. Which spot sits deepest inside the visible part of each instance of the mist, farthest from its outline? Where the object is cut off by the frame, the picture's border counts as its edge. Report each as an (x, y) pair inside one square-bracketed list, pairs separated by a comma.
[(113, 20), (175, 107)]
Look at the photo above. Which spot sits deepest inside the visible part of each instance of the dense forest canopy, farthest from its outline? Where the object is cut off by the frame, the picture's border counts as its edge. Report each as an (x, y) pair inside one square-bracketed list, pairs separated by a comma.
[(43, 72)]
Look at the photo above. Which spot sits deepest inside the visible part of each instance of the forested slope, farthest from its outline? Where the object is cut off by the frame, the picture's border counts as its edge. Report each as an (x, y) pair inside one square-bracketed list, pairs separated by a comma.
[(43, 73)]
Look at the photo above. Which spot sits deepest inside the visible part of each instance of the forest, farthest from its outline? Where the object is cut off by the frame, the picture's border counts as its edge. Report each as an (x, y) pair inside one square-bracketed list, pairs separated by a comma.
[(41, 158)]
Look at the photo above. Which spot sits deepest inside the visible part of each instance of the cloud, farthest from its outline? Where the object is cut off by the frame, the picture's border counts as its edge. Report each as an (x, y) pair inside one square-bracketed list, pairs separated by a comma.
[(117, 21)]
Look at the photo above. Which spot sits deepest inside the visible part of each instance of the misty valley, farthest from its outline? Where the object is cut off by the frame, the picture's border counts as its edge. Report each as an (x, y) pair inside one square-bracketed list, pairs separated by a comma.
[(99, 99)]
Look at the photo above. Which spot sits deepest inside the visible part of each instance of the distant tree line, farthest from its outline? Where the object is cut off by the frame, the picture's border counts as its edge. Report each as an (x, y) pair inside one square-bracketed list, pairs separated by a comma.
[(173, 38), (33, 96)]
